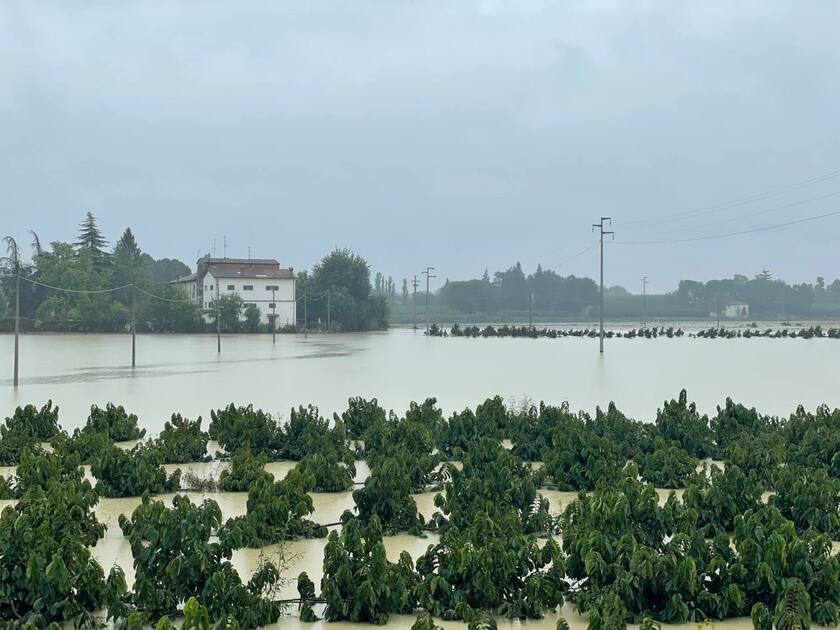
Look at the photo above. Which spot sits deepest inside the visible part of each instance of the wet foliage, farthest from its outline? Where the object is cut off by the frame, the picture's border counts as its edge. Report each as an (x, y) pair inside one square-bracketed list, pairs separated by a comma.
[(26, 427), (359, 583), (751, 536), (175, 559), (114, 422), (182, 441), (131, 473), (244, 471), (276, 512)]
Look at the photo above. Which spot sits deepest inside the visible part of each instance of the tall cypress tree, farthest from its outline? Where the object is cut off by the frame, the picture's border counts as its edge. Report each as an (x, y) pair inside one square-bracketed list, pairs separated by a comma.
[(91, 238), (127, 246)]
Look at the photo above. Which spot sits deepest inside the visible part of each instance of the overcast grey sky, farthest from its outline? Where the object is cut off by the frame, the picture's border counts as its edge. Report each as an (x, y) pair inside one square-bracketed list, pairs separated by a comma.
[(461, 135)]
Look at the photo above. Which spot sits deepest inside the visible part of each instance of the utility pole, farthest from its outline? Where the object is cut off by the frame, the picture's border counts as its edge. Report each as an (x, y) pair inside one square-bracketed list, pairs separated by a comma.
[(305, 315), (224, 246), (414, 284), (273, 317), (531, 311), (329, 310), (644, 303), (718, 310), (17, 320), (428, 275), (218, 328), (605, 221), (133, 327)]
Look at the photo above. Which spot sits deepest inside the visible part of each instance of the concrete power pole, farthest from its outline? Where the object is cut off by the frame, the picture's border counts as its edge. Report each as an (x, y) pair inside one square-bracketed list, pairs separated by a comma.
[(428, 275), (605, 221), (17, 321), (414, 284), (644, 303)]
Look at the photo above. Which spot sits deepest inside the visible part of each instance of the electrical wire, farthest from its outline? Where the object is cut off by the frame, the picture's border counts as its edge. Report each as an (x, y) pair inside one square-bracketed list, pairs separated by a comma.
[(729, 234), (668, 218)]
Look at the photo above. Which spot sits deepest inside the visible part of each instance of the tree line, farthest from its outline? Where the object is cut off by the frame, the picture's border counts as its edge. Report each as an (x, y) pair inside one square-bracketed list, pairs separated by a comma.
[(547, 293), (91, 274)]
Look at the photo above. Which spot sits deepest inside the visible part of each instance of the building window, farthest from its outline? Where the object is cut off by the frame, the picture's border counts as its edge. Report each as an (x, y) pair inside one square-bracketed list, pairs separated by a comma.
[(231, 287), (272, 305), (272, 287), (248, 287)]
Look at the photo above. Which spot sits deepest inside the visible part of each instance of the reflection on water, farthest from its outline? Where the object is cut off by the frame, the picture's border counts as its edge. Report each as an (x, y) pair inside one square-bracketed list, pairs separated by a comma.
[(183, 372)]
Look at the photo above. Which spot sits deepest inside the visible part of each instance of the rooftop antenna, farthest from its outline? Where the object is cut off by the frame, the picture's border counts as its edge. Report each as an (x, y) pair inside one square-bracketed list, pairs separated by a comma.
[(214, 248)]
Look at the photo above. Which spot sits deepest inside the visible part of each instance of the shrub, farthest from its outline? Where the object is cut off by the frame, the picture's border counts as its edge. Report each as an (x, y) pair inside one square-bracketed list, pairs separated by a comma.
[(245, 469), (182, 441), (121, 473), (359, 583), (233, 427), (25, 428), (679, 421), (668, 466), (114, 422)]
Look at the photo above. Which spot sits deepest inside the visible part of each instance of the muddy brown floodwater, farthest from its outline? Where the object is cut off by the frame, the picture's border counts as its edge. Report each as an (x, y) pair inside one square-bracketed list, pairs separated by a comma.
[(184, 374)]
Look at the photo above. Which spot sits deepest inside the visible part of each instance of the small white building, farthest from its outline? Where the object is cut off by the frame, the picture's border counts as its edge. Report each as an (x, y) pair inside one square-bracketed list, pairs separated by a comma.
[(737, 310), (260, 281)]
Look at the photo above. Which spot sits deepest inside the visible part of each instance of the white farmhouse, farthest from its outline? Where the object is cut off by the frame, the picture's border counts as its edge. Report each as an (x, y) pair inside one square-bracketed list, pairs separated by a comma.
[(259, 281)]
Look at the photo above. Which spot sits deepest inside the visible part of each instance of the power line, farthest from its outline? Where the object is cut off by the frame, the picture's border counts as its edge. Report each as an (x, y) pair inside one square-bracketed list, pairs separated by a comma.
[(730, 204), (729, 234), (785, 206), (87, 291)]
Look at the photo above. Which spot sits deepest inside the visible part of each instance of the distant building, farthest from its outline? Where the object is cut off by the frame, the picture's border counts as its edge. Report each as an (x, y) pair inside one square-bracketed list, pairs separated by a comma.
[(737, 310), (259, 281)]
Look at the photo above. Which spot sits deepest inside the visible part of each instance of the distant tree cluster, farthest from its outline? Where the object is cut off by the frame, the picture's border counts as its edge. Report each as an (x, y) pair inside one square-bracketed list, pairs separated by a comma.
[(88, 265), (512, 290), (339, 291), (765, 295)]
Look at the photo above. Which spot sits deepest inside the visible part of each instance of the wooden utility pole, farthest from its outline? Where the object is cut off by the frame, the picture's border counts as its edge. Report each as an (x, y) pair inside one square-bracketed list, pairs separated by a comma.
[(605, 221), (305, 316), (644, 303)]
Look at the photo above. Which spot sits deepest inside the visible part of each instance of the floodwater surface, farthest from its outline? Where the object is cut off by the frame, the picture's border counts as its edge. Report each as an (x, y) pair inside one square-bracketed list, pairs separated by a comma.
[(184, 373)]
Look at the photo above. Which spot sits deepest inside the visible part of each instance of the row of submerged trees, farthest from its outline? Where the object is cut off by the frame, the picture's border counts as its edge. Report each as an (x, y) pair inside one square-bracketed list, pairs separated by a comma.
[(654, 332), (617, 552)]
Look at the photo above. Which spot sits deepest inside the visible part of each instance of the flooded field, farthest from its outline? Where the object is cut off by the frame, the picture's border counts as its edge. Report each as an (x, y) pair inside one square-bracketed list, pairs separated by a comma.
[(185, 374)]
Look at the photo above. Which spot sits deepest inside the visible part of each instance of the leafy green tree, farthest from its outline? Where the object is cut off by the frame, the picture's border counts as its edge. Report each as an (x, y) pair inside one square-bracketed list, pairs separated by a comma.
[(359, 583), (121, 473), (181, 441), (252, 318), (233, 427), (276, 511), (679, 421), (47, 572), (228, 310), (175, 560), (492, 567), (245, 469), (668, 466), (386, 497), (346, 276), (114, 422)]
